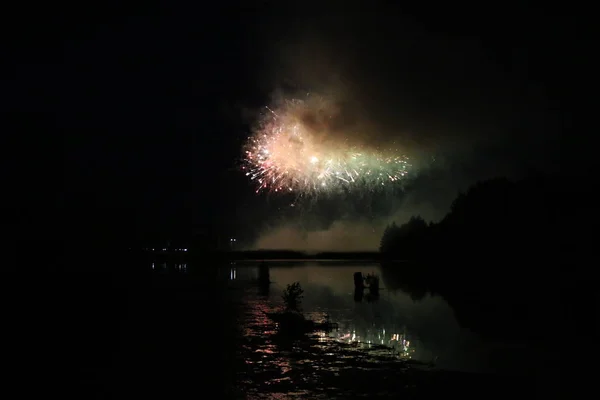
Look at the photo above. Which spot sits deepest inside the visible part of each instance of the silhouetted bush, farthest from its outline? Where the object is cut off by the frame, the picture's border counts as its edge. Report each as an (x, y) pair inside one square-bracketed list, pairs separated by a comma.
[(292, 296)]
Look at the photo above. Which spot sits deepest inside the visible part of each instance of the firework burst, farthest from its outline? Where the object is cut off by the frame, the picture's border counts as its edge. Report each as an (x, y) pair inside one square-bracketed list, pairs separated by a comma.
[(297, 148)]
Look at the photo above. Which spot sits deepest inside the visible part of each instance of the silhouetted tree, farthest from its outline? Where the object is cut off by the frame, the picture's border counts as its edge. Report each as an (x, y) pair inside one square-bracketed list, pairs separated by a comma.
[(500, 241), (496, 219), (404, 241)]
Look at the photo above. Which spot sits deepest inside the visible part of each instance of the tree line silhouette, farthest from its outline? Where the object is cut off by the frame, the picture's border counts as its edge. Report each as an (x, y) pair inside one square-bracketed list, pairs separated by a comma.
[(500, 253), (496, 218)]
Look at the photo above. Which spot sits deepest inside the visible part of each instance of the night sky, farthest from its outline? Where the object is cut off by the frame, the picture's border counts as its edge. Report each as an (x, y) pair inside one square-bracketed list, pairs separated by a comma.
[(132, 120)]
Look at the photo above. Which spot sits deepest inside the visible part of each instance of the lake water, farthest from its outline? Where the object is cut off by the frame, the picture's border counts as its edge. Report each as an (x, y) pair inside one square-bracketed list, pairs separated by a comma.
[(156, 331), (424, 335), (186, 330)]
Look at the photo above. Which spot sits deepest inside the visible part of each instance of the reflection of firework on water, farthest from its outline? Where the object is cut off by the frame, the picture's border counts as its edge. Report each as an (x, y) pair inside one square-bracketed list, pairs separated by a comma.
[(296, 148)]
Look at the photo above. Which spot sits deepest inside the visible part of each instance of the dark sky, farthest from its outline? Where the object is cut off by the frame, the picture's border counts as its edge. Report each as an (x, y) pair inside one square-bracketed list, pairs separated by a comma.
[(134, 118)]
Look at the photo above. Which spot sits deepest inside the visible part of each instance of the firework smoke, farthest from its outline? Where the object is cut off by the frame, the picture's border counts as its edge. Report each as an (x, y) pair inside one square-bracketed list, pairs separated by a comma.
[(303, 146)]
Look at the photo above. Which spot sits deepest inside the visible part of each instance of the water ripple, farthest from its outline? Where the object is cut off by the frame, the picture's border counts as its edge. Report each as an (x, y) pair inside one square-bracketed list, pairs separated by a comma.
[(311, 366)]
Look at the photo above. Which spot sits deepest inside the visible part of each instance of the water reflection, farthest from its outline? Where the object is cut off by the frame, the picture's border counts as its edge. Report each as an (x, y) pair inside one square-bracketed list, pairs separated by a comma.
[(398, 343), (369, 283), (166, 267), (376, 346), (424, 330), (234, 274)]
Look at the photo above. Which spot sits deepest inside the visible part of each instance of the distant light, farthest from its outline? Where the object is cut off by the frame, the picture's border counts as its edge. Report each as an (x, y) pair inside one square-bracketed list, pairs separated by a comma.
[(184, 249)]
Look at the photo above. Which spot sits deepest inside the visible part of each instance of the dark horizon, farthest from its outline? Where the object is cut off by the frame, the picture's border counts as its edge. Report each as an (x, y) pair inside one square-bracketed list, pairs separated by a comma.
[(133, 121)]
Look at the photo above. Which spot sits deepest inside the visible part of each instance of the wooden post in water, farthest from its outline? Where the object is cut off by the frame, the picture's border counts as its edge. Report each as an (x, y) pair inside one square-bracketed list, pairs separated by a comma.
[(263, 273), (358, 281), (264, 279)]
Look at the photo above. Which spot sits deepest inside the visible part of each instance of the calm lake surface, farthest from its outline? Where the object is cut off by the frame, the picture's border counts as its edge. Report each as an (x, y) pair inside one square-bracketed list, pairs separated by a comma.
[(425, 329), (156, 331), (423, 334), (184, 334)]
